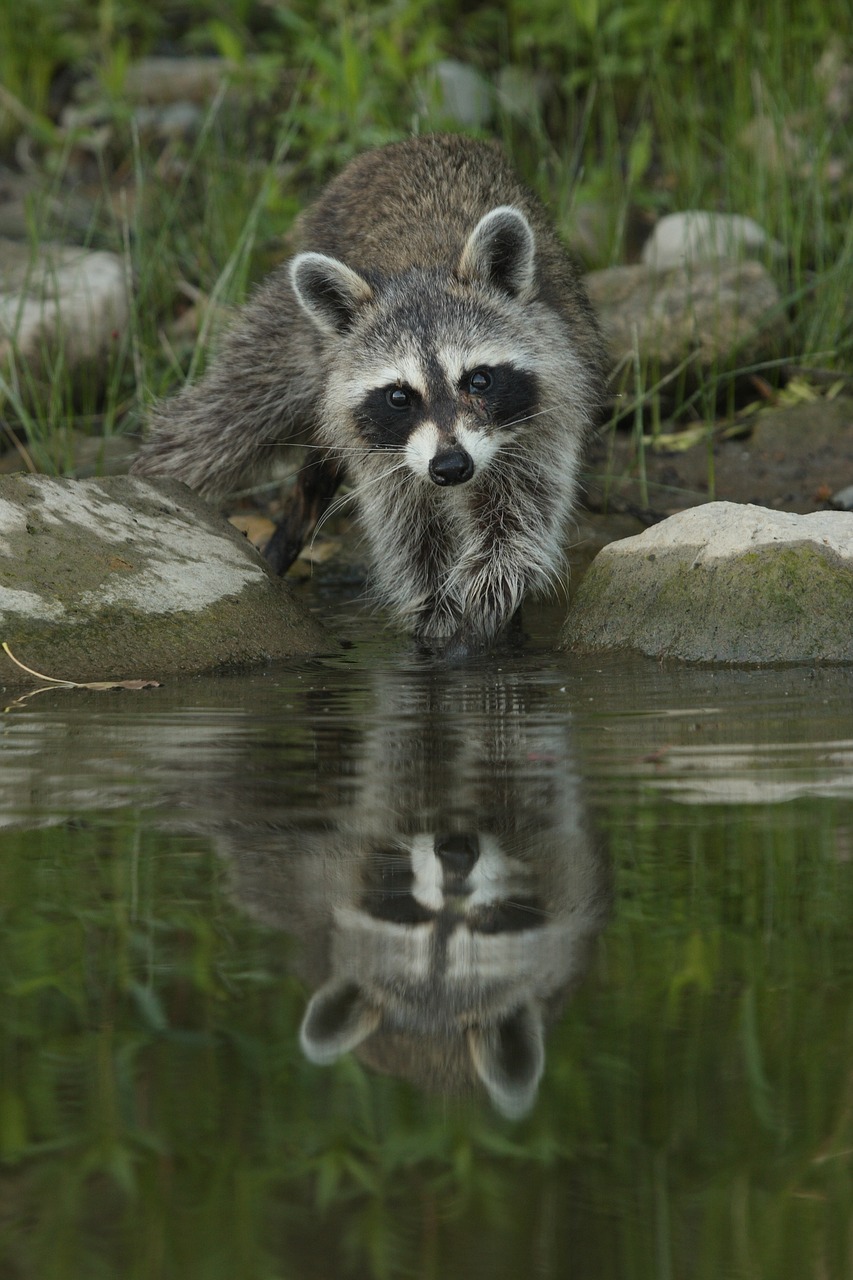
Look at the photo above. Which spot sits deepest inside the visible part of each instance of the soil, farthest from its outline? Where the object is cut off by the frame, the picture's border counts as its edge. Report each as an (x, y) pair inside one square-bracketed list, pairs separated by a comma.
[(792, 459)]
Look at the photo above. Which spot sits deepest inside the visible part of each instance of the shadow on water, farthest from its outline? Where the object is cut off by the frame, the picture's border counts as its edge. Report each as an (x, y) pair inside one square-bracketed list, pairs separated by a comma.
[(370, 967)]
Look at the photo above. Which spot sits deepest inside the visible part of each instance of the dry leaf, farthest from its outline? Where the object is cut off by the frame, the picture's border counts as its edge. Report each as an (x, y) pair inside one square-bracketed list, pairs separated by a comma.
[(77, 684), (258, 529), (676, 441)]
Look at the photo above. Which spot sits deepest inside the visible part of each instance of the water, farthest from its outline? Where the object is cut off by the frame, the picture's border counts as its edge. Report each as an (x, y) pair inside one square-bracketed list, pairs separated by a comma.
[(529, 967)]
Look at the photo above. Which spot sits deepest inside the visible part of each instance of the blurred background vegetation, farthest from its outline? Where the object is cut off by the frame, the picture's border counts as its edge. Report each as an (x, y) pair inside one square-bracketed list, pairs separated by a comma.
[(616, 112)]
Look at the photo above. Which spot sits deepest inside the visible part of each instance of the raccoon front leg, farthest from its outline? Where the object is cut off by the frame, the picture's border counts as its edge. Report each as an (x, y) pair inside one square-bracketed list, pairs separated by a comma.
[(492, 598), (313, 491), (413, 545), (513, 545), (258, 395), (468, 610), (454, 579)]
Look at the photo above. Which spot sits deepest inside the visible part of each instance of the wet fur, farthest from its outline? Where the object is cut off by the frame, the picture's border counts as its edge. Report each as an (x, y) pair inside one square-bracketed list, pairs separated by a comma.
[(406, 281)]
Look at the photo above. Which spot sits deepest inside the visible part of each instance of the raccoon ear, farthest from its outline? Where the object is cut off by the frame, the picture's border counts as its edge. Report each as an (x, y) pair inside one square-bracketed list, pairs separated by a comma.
[(337, 1019), (509, 1058), (501, 250), (328, 290)]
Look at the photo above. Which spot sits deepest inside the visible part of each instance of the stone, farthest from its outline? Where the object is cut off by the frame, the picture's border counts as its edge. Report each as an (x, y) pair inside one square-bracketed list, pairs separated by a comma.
[(696, 236), (464, 95), (159, 80), (122, 578), (68, 452), (28, 202), (521, 91), (171, 121), (59, 299), (723, 583), (717, 315), (167, 97), (834, 77), (776, 147)]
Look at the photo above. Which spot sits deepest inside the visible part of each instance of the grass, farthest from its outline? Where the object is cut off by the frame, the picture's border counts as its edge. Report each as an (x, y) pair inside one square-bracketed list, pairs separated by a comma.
[(643, 109), (157, 1119)]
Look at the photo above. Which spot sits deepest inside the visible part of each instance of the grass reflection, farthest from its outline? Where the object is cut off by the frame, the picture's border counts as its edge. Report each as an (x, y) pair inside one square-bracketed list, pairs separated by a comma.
[(696, 1116)]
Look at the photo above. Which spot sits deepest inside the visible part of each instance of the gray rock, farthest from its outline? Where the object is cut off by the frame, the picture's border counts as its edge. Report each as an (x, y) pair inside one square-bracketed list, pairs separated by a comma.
[(776, 145), (59, 298), (93, 123), (125, 579), (521, 91), (464, 95), (168, 98), (65, 451), (27, 202), (723, 583), (843, 500), (716, 315), (834, 76), (161, 80), (696, 236), (174, 120)]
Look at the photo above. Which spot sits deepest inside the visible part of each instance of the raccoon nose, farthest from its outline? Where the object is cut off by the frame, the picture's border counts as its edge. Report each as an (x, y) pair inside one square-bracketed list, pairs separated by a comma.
[(458, 854), (454, 467)]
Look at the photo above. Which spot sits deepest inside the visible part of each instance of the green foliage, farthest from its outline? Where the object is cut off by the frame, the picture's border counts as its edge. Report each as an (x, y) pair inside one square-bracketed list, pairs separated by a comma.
[(360, 70), (643, 109), (156, 1117), (36, 38)]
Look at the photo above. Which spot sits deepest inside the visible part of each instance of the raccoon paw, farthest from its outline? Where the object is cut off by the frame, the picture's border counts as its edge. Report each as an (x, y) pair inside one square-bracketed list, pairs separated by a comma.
[(469, 641)]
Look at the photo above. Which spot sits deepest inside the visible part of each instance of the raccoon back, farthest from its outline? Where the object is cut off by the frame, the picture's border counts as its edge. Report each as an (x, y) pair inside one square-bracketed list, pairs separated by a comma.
[(414, 204)]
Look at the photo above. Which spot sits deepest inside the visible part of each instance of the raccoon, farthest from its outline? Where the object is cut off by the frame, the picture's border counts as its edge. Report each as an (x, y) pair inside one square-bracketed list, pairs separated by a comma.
[(432, 343), (447, 907)]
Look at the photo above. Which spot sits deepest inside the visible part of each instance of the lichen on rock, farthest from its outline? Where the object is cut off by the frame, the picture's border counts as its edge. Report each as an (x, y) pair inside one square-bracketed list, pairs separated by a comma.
[(724, 582)]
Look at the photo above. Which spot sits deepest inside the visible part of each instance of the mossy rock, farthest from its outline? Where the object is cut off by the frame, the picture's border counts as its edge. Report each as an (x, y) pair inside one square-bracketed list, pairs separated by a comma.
[(723, 583), (122, 578)]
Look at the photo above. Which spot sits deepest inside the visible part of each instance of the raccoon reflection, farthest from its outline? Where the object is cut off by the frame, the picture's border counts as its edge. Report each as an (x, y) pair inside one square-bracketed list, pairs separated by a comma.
[(439, 953)]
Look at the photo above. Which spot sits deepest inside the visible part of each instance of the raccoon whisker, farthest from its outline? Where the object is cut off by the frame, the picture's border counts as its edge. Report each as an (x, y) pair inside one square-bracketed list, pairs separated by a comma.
[(516, 422), (520, 447), (321, 448), (368, 482), (514, 464), (538, 912), (350, 496), (515, 448), (355, 493), (506, 462), (330, 511)]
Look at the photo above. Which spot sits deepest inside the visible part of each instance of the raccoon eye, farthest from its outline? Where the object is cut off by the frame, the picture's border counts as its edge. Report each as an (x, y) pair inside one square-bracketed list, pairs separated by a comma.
[(398, 397), (479, 381)]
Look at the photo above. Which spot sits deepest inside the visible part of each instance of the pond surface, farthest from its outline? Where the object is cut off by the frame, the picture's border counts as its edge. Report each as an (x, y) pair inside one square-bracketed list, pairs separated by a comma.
[(526, 967)]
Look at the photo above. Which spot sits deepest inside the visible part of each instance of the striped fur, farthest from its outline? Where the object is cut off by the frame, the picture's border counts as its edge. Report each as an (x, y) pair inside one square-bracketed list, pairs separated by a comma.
[(434, 338)]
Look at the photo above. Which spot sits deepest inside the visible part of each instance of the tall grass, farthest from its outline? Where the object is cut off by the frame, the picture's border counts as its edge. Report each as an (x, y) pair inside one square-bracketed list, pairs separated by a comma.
[(643, 108)]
